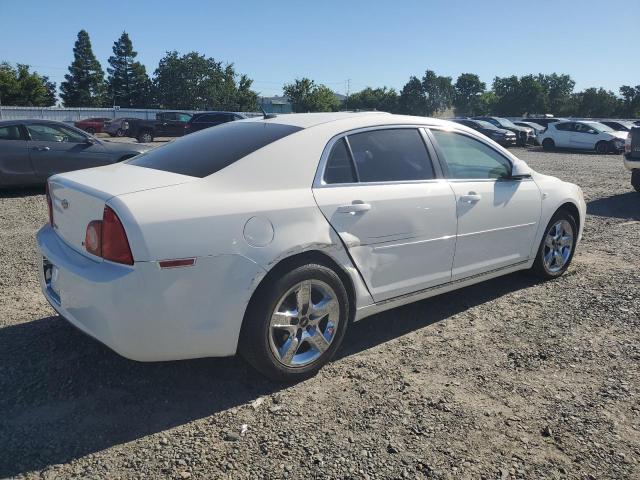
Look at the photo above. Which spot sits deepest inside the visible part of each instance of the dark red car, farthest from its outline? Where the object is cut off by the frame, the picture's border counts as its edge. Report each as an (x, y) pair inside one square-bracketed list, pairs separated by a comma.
[(92, 125)]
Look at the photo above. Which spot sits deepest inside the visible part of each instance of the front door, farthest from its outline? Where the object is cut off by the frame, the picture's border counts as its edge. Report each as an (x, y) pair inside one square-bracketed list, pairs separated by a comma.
[(380, 193), (55, 148), (497, 216)]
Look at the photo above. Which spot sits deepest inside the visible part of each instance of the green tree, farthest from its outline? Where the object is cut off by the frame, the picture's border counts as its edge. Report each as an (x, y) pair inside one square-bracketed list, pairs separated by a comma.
[(84, 85), (558, 90), (307, 96), (517, 96), (630, 105), (412, 101), (382, 99), (193, 81), (468, 94), (20, 87), (596, 102), (128, 83), (438, 92)]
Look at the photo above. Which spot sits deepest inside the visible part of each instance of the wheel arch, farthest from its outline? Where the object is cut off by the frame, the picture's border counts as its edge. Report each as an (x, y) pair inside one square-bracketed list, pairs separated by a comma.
[(573, 209), (304, 258)]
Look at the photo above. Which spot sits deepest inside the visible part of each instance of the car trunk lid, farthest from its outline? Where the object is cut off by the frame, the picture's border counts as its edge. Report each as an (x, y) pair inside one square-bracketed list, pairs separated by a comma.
[(79, 197)]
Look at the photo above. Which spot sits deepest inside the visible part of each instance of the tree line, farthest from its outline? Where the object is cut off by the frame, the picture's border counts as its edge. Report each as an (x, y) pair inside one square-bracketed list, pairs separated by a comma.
[(190, 81), (195, 82)]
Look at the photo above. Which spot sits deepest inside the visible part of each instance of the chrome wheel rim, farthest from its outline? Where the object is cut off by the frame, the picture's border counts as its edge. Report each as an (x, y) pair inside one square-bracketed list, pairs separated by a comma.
[(558, 245), (304, 323)]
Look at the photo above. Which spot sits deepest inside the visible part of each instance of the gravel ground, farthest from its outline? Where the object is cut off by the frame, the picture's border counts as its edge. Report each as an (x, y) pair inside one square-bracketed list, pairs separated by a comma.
[(506, 379)]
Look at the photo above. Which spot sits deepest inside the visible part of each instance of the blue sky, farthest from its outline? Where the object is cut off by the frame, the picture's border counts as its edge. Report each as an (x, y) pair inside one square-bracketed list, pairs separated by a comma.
[(373, 43)]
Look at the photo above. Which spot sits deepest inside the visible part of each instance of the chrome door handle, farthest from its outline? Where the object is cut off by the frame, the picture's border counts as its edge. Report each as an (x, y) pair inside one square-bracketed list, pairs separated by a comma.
[(356, 207), (42, 149), (471, 197)]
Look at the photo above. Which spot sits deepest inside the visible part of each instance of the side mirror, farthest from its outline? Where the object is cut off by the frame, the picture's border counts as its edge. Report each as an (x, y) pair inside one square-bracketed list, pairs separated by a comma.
[(520, 170)]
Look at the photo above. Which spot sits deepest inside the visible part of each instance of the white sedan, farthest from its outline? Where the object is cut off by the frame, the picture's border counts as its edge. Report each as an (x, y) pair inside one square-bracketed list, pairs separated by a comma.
[(582, 135), (270, 236)]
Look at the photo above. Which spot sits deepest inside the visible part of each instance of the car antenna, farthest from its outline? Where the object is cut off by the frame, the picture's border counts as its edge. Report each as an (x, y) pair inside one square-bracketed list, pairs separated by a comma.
[(266, 115)]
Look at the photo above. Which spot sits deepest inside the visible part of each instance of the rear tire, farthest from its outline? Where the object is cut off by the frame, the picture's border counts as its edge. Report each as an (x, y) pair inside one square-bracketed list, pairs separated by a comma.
[(119, 133), (548, 144), (145, 137), (556, 247), (635, 179), (603, 147), (295, 323), (91, 130)]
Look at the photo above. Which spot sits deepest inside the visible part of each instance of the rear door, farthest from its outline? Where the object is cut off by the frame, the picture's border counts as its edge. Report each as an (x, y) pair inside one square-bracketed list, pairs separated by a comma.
[(15, 165), (497, 216), (379, 190), (55, 148), (562, 134)]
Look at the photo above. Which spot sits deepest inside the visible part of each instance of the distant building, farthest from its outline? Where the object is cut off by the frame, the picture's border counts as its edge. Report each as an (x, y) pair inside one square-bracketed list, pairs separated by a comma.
[(276, 104)]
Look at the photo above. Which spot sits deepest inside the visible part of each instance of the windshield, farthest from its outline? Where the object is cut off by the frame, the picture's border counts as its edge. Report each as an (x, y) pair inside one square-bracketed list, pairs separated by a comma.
[(485, 124), (601, 127), (506, 123)]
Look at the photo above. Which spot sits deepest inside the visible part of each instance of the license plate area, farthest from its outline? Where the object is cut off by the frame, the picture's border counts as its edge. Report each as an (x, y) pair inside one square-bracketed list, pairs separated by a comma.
[(51, 279)]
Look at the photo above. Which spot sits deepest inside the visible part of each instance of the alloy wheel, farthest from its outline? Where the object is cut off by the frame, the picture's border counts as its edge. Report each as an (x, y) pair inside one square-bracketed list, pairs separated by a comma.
[(304, 323), (558, 245)]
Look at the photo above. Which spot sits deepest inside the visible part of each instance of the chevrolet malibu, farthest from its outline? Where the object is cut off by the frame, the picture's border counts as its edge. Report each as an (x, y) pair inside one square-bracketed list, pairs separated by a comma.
[(268, 237)]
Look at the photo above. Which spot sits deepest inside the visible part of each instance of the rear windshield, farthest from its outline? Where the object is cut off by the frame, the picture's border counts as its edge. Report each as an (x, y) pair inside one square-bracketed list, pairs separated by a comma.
[(202, 153)]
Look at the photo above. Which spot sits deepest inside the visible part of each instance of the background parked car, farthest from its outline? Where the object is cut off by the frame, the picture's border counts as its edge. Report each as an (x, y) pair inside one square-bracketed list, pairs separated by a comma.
[(506, 138), (618, 125), (537, 129), (118, 127), (544, 121), (632, 156), (92, 125), (33, 150), (583, 135), (524, 135), (202, 120), (166, 124)]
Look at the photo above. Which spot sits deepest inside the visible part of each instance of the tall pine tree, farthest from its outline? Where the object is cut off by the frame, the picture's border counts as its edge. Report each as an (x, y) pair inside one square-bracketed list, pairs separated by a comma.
[(84, 85), (128, 84)]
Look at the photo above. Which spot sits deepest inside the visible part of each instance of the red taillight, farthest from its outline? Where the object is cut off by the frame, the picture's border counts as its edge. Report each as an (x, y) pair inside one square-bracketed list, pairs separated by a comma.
[(49, 203), (106, 238)]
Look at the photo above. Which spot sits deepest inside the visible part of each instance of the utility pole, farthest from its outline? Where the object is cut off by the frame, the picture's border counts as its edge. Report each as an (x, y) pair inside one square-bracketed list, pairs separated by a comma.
[(346, 102)]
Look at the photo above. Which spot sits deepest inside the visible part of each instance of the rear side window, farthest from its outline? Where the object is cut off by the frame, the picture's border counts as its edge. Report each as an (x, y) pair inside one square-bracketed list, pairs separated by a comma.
[(467, 158), (10, 132), (202, 153), (339, 168), (391, 155), (563, 127)]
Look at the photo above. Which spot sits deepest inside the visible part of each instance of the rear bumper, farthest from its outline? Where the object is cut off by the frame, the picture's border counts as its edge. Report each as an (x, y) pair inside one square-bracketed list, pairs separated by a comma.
[(146, 313), (631, 163)]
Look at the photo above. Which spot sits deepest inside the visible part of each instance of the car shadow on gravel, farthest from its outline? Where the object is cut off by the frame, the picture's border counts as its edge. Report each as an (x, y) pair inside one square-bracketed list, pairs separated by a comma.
[(623, 205), (21, 192), (64, 395)]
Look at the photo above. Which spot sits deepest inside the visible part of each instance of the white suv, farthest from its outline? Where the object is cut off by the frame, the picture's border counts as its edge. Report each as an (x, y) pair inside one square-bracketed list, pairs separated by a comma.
[(632, 157), (584, 135)]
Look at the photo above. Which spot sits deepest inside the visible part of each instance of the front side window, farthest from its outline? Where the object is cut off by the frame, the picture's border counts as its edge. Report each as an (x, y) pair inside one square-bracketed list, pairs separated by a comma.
[(391, 155), (54, 133), (10, 132), (339, 167), (467, 158)]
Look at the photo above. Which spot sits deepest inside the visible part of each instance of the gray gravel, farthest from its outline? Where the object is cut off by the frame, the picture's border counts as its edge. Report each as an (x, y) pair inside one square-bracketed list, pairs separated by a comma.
[(507, 379)]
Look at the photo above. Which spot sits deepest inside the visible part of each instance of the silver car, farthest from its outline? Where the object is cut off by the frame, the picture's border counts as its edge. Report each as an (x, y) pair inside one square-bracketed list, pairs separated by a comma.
[(33, 150), (117, 127)]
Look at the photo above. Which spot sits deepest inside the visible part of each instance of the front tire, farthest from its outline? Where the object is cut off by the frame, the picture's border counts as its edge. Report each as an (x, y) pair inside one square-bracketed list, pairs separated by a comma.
[(557, 246), (119, 133), (603, 147), (91, 130), (145, 137), (548, 144), (296, 323)]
